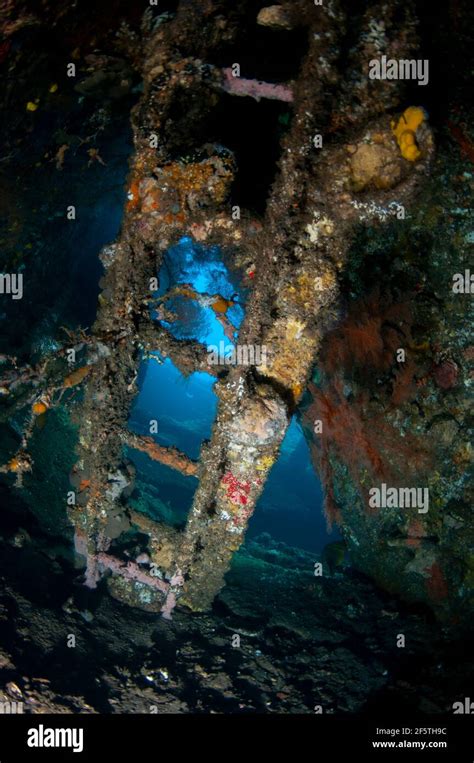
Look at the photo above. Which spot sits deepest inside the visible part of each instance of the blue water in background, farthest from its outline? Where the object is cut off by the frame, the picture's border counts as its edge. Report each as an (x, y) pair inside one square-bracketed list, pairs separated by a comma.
[(184, 408), (290, 507), (202, 268)]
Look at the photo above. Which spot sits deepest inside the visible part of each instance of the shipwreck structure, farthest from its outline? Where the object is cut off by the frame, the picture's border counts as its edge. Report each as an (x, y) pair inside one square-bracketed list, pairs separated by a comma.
[(340, 164), (352, 153)]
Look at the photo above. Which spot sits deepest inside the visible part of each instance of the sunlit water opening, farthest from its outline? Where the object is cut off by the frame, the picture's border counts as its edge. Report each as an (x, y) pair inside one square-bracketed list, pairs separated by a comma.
[(216, 312), (184, 407), (290, 507)]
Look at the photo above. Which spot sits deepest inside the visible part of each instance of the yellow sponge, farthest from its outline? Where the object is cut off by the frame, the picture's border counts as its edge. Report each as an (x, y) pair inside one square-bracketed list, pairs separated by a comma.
[(405, 132)]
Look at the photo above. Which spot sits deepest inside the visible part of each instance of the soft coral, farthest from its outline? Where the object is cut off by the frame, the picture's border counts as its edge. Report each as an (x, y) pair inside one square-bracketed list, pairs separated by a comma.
[(369, 336), (361, 438)]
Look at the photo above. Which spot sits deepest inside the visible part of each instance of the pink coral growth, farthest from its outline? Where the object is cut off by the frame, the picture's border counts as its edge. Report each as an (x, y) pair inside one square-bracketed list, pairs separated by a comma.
[(168, 606), (131, 571), (97, 563), (237, 492), (80, 542), (92, 575), (177, 579), (255, 88)]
